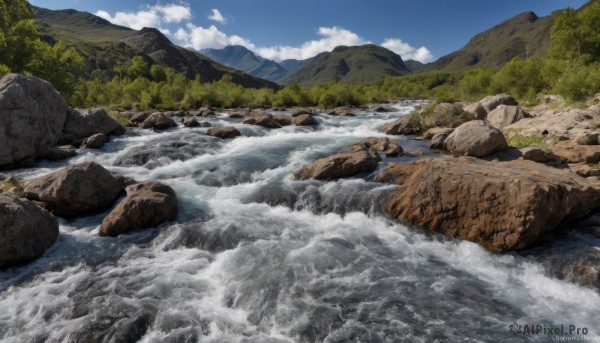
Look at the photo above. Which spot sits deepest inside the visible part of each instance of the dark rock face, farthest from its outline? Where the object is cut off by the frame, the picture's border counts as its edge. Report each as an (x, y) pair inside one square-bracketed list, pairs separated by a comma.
[(147, 205), (82, 189), (32, 116), (262, 119), (224, 132), (475, 138), (304, 120), (401, 126), (158, 121), (517, 203), (26, 231), (60, 152), (95, 141), (85, 123), (343, 164)]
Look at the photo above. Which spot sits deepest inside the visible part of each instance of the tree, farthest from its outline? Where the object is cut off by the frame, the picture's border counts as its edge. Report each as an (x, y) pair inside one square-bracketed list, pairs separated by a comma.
[(158, 73), (137, 67), (576, 34)]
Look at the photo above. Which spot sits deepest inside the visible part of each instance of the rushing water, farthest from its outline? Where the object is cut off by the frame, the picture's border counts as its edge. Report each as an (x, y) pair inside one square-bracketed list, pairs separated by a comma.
[(257, 256)]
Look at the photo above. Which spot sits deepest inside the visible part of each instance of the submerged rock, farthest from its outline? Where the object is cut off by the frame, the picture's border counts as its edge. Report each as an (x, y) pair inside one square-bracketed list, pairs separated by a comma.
[(501, 205), (81, 189), (343, 164), (26, 231), (342, 112), (190, 122), (475, 138), (32, 116), (224, 132), (147, 205), (60, 152)]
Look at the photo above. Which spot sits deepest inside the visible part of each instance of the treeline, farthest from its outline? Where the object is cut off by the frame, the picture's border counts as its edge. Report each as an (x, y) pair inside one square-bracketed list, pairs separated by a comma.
[(571, 69)]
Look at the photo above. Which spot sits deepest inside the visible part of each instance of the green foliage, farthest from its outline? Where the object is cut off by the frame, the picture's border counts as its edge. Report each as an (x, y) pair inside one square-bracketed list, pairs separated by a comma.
[(516, 139), (116, 115), (576, 35)]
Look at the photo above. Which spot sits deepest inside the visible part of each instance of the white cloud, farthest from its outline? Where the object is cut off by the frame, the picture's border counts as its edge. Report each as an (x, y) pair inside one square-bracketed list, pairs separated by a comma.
[(217, 16), (331, 37), (406, 51), (151, 16), (198, 38)]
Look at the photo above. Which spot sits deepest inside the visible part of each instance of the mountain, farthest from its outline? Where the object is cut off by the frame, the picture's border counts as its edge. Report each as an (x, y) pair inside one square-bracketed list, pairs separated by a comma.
[(525, 35), (292, 65), (350, 65), (240, 58), (414, 66), (104, 44)]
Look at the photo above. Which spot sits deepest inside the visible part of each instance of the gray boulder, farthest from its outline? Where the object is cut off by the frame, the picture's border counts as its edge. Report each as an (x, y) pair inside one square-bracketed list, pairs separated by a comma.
[(88, 122), (32, 116), (304, 120), (60, 152), (475, 138), (401, 126), (26, 231), (504, 115)]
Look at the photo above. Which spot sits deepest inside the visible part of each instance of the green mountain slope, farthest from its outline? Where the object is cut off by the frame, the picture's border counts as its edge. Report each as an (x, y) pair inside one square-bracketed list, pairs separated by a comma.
[(104, 44), (240, 58), (525, 35), (349, 65)]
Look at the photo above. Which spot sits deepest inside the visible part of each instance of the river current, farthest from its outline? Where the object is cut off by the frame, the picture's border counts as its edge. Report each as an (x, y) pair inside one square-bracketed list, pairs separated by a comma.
[(257, 256)]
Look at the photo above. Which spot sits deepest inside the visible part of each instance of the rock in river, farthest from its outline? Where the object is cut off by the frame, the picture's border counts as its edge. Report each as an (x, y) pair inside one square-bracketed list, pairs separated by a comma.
[(26, 231), (501, 205), (475, 138), (343, 164), (147, 205), (81, 189)]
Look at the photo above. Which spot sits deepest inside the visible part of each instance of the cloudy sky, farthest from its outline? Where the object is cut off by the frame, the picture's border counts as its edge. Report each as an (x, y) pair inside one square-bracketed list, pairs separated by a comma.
[(279, 29)]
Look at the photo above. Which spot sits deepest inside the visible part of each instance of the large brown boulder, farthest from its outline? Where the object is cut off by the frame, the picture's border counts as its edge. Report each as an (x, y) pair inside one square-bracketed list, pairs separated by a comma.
[(262, 119), (401, 126), (224, 132), (304, 120), (504, 115), (158, 121), (26, 231), (32, 116), (343, 164), (81, 189), (88, 122), (475, 138), (282, 119), (571, 152), (501, 205), (147, 205)]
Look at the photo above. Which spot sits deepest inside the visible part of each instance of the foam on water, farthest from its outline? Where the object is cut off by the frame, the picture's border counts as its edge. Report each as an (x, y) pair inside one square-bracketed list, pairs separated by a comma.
[(257, 256)]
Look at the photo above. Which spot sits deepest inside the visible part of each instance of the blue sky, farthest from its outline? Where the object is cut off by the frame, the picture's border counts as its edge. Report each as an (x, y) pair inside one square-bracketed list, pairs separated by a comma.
[(278, 29)]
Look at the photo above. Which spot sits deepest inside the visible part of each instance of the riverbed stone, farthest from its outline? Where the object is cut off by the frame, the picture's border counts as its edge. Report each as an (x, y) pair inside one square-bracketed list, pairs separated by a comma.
[(26, 231), (146, 205), (82, 189), (224, 132), (475, 138), (343, 164), (502, 206)]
